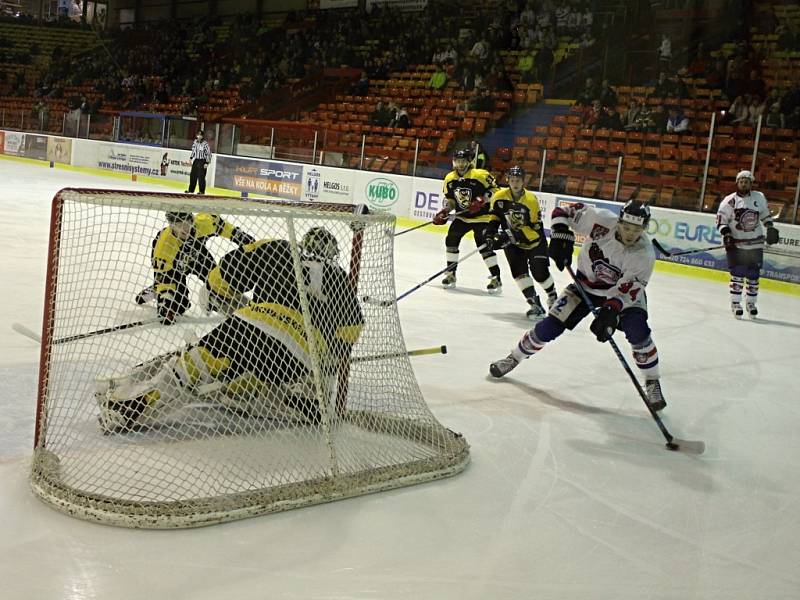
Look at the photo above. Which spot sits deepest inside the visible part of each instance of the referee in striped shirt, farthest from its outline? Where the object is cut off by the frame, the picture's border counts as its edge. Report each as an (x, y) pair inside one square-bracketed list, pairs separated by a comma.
[(201, 157)]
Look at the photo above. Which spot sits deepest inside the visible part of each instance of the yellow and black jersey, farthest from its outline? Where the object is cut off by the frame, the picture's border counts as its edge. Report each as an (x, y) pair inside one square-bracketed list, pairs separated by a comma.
[(266, 268), (172, 254), (460, 190), (521, 218)]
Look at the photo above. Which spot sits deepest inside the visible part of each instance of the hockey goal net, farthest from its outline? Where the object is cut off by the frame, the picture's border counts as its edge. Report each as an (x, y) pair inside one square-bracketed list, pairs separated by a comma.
[(296, 394)]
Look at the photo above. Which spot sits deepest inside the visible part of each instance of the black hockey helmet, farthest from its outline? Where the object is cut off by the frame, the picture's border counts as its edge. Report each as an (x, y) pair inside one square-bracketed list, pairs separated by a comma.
[(174, 217), (516, 171), (320, 243), (636, 213), (463, 153)]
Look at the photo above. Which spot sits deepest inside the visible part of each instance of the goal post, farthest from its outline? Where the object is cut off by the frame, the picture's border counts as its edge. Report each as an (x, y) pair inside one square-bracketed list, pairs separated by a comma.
[(275, 387)]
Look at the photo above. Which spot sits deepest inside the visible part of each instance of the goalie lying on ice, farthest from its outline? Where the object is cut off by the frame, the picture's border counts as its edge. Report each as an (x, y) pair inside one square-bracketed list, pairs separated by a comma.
[(278, 356)]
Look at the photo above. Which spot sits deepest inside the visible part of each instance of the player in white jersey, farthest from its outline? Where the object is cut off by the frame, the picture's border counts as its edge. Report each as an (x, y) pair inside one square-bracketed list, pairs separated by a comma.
[(614, 266), (744, 222)]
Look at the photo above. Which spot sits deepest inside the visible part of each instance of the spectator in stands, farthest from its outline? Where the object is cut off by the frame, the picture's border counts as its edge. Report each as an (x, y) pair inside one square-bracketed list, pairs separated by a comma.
[(755, 86), (608, 97), (438, 78), (737, 113), (466, 79), (679, 88), (544, 63), (590, 93), (663, 87), (498, 78), (701, 63), (591, 115), (479, 156), (665, 52), (775, 118), (658, 120), (644, 120), (677, 122), (381, 117), (526, 66), (401, 119), (630, 120), (361, 87), (756, 109), (792, 120), (610, 119)]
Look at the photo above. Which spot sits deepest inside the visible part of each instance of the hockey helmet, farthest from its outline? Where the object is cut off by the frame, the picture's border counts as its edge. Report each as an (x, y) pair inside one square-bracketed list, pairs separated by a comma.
[(744, 175), (635, 213), (320, 243), (462, 153), (516, 171), (174, 217)]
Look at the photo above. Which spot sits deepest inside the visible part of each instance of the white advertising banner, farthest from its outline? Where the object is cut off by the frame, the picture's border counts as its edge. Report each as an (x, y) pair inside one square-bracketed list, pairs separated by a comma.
[(14, 143), (323, 4), (397, 4), (328, 184), (169, 163), (382, 192)]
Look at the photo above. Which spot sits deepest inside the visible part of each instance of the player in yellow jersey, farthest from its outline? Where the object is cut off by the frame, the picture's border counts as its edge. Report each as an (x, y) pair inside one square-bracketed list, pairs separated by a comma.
[(468, 191), (179, 250), (259, 360), (516, 226)]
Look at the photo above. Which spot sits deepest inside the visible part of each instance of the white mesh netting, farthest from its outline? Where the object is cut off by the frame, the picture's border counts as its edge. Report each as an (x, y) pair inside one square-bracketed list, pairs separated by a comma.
[(262, 395)]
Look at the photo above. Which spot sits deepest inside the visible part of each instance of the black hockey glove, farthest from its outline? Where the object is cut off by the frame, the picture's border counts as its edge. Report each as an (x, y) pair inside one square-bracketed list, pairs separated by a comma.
[(605, 323), (169, 307), (562, 243), (727, 238), (497, 240), (772, 235), (240, 238)]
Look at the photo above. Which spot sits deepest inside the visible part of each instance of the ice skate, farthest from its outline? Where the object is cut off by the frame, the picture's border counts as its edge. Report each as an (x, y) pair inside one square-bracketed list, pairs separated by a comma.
[(752, 310), (449, 281), (536, 312), (654, 396), (503, 366), (494, 286), (736, 308), (146, 295)]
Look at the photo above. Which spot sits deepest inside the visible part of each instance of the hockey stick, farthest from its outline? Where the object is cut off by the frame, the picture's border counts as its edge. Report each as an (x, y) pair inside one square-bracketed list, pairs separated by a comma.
[(674, 444), (419, 352), (375, 301), (667, 253), (426, 223), (29, 333)]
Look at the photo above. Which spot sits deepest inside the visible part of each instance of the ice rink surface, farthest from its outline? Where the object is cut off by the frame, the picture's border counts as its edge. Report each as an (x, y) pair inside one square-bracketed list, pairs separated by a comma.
[(570, 493)]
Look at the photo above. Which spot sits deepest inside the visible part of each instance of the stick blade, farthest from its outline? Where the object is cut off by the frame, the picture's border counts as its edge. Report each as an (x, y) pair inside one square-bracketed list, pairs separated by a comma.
[(695, 447)]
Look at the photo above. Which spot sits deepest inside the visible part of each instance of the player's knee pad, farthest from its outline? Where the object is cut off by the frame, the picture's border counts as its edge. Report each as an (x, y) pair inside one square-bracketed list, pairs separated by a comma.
[(633, 323), (752, 273), (739, 271)]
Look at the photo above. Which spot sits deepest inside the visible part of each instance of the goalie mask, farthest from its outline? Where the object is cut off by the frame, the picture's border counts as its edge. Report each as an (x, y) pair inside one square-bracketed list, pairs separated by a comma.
[(320, 243), (174, 218)]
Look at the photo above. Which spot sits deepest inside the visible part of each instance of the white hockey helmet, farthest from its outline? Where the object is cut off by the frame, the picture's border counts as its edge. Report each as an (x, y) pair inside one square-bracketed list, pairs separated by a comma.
[(744, 175)]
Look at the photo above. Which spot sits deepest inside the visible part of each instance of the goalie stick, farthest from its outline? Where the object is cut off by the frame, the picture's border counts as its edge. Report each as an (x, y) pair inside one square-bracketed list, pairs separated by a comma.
[(376, 302), (673, 443), (29, 333)]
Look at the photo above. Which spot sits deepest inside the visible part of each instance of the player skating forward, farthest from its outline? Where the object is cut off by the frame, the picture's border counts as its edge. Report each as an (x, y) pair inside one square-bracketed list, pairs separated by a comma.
[(179, 250), (516, 226), (468, 191), (744, 222), (614, 266), (259, 360)]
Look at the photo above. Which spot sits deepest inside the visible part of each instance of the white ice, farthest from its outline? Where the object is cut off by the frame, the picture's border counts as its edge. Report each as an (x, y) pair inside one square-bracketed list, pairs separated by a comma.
[(570, 493)]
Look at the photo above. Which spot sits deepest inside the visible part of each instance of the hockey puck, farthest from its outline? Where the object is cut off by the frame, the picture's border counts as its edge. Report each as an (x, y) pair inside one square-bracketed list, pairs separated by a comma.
[(672, 446)]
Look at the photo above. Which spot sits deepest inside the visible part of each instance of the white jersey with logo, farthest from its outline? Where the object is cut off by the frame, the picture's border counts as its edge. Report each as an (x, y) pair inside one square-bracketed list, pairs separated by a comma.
[(746, 216), (606, 267)]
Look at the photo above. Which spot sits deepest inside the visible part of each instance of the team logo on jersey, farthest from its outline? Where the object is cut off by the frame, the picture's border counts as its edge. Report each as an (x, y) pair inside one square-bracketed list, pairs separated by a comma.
[(517, 217), (747, 219), (598, 231), (603, 270)]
